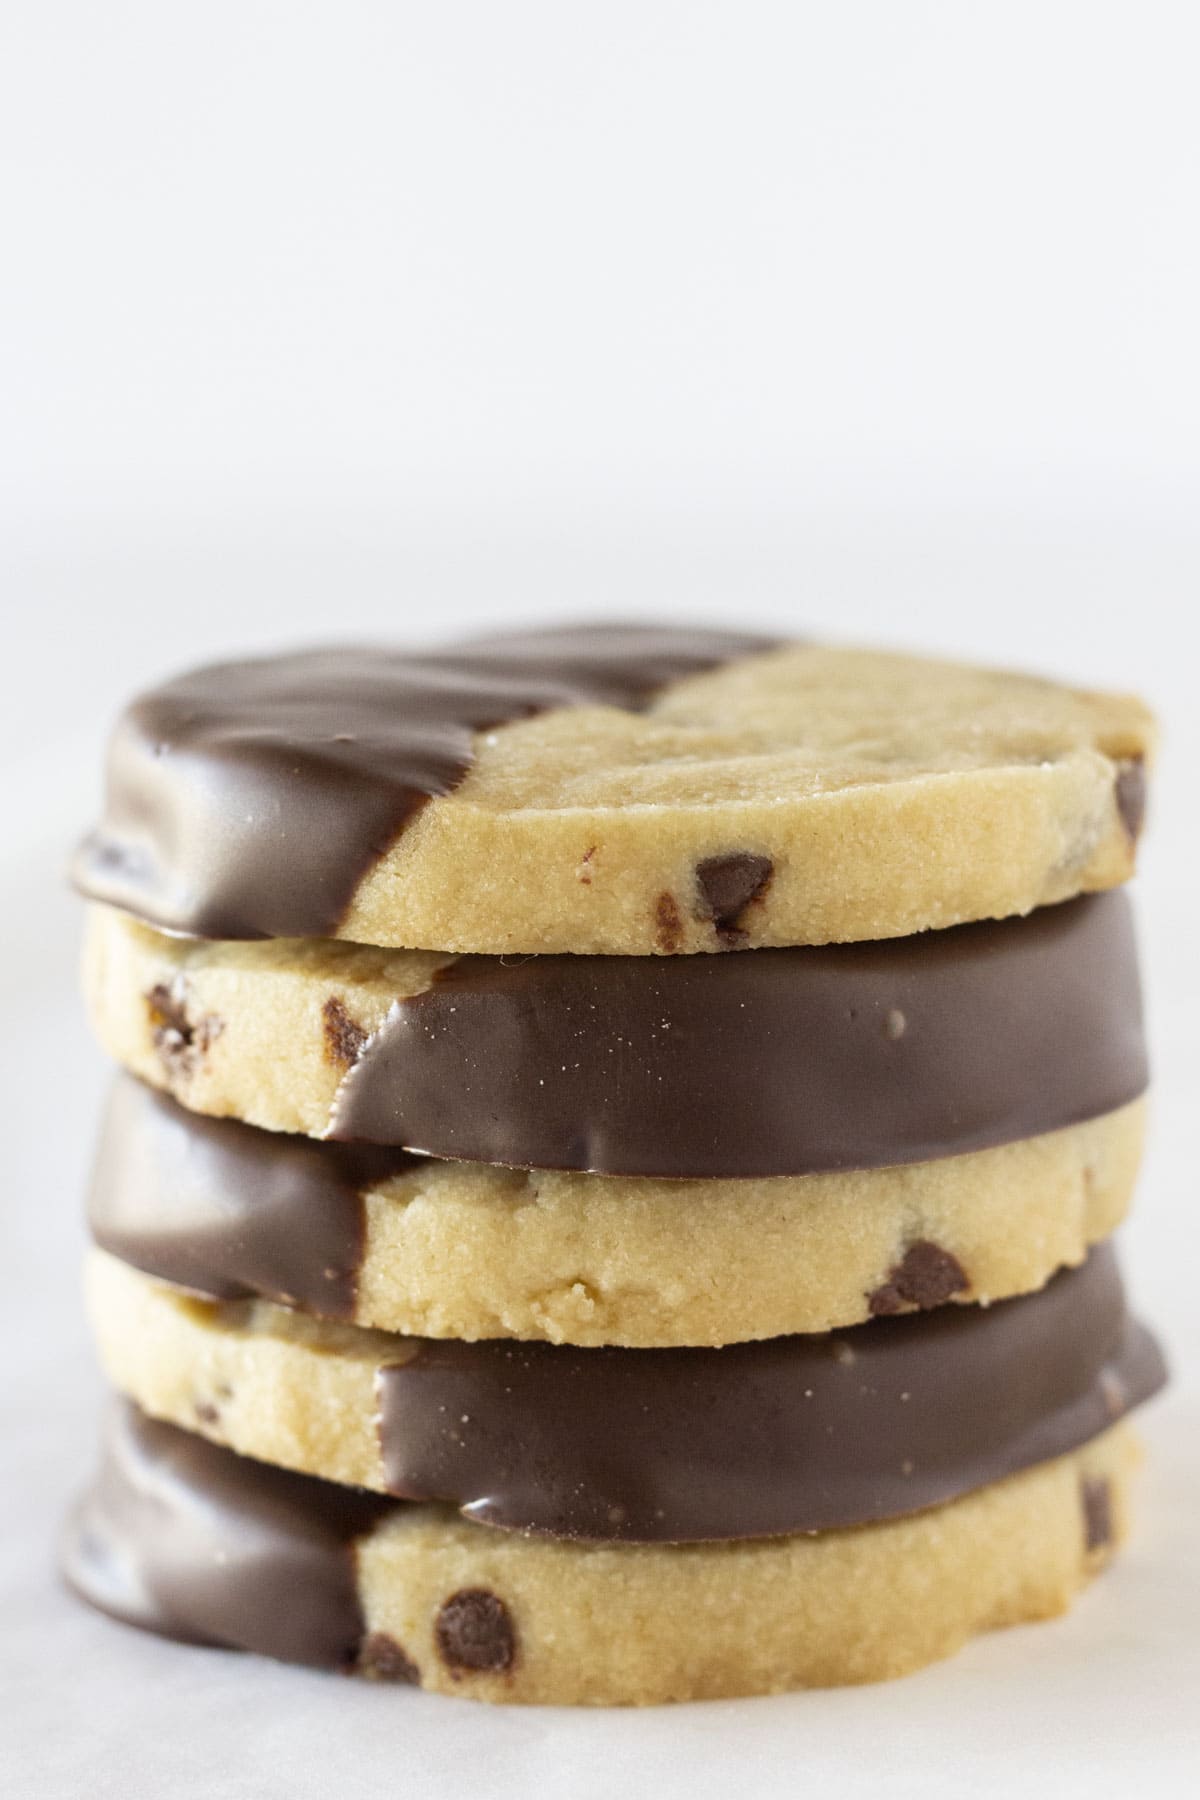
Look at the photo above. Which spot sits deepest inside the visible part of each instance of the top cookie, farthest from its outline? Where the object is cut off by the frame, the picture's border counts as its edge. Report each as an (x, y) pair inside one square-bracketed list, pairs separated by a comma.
[(611, 790)]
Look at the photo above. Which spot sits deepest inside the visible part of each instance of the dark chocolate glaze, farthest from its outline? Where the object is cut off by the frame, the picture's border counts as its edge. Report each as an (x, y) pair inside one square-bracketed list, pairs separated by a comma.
[(191, 1541), (776, 1062), (755, 1440), (248, 799), (228, 1211)]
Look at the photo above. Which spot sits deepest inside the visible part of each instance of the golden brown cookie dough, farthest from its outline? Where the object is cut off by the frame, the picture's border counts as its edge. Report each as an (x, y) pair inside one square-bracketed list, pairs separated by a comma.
[(860, 795), (464, 1250)]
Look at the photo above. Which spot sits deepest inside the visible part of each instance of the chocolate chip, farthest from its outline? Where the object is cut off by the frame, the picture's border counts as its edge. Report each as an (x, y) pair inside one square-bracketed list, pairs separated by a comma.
[(1131, 796), (344, 1036), (383, 1659), (668, 922), (885, 1300), (926, 1277), (181, 1042), (929, 1275), (206, 1412), (726, 886), (474, 1630), (1096, 1496)]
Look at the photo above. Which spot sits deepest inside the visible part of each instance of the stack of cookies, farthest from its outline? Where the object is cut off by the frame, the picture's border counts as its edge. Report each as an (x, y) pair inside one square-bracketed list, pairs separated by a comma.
[(607, 1198)]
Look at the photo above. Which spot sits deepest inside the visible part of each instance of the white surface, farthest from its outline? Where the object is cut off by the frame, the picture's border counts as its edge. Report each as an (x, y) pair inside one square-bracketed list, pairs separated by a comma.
[(404, 256), (385, 318)]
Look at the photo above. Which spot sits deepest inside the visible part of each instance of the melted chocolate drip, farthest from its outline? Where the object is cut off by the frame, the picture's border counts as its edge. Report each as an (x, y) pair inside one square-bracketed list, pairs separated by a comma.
[(228, 1211), (249, 799), (191, 1541), (755, 1440), (779, 1062)]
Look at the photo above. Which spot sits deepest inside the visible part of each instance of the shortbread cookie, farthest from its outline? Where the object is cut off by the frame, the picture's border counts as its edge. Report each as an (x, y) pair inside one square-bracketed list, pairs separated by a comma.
[(753, 1440), (443, 1249), (188, 1540), (784, 1062), (597, 791)]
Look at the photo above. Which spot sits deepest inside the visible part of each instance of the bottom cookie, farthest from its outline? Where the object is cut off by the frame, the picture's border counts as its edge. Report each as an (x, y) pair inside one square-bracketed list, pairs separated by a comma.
[(185, 1538)]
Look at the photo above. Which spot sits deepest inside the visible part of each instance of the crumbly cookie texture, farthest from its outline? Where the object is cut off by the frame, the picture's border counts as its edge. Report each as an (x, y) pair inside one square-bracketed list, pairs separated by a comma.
[(881, 795), (464, 1250), (572, 1624)]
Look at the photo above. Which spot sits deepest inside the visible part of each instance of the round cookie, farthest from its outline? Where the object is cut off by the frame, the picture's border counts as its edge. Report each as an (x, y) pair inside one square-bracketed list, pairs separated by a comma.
[(193, 1542), (462, 1250), (612, 790), (752, 1440), (784, 1062)]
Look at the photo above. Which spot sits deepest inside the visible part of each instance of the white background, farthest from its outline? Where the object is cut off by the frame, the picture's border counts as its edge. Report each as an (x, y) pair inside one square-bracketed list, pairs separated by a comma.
[(876, 319)]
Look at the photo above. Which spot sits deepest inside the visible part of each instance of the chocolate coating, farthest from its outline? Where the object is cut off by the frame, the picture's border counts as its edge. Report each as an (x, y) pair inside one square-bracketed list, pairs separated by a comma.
[(191, 1541), (248, 799), (760, 1439), (228, 1211), (775, 1062)]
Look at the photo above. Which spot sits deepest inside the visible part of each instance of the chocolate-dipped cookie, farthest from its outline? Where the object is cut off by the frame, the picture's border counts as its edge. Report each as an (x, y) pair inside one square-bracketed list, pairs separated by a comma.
[(776, 1062), (806, 1433), (383, 1238), (189, 1540), (608, 1191), (620, 790)]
